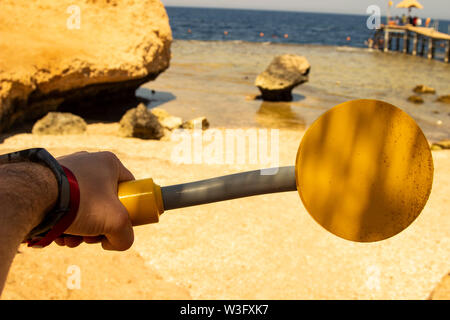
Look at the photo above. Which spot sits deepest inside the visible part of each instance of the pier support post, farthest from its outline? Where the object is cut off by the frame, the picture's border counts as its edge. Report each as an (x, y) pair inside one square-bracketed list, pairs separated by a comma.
[(430, 48), (415, 44), (406, 42), (447, 52), (397, 41), (422, 46), (386, 40)]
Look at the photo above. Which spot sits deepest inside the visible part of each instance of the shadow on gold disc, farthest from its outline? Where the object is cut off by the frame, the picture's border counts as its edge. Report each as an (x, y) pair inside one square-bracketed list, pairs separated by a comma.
[(364, 170)]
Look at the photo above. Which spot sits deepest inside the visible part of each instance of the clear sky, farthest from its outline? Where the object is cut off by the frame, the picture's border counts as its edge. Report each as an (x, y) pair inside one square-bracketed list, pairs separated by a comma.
[(439, 9)]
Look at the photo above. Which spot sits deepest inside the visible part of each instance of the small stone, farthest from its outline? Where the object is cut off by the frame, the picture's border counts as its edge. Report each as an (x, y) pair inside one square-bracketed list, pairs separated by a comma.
[(251, 97), (416, 99), (160, 113), (197, 123), (139, 122), (442, 290), (59, 123), (444, 99), (166, 119), (424, 89), (441, 145)]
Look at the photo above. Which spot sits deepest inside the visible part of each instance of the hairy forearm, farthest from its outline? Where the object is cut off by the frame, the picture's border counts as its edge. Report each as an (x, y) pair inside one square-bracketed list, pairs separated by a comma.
[(27, 191)]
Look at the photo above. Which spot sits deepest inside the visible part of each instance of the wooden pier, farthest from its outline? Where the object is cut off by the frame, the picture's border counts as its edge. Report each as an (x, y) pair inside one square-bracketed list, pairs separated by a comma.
[(420, 37)]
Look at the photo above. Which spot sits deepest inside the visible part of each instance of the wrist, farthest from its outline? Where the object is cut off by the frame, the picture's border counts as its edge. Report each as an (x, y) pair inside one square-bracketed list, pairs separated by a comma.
[(29, 190)]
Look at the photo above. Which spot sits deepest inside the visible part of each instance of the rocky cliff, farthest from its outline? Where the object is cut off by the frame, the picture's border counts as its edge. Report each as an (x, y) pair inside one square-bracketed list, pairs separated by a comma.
[(55, 52)]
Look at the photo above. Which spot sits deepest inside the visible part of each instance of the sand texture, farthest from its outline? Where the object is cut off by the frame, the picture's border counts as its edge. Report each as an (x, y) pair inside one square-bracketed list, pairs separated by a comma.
[(264, 247)]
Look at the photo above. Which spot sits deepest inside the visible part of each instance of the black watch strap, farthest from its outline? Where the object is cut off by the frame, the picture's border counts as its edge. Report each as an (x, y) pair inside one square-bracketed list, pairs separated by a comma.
[(42, 156)]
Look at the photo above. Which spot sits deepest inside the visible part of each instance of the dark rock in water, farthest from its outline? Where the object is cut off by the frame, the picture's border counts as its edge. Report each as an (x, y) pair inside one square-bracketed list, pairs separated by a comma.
[(284, 73), (59, 123), (441, 145), (424, 89), (442, 290), (139, 122), (444, 99), (416, 99)]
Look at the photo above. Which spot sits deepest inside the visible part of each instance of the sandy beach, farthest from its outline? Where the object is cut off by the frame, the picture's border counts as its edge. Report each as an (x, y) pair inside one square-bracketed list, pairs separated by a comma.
[(264, 247)]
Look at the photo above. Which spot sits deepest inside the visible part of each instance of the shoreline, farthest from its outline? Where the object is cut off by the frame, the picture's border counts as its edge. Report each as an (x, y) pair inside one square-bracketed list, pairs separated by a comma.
[(204, 74)]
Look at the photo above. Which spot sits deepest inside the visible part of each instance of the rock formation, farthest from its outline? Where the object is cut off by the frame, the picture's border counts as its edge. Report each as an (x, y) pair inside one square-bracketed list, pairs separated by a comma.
[(424, 89), (416, 99), (283, 74), (60, 123), (197, 123), (63, 52), (168, 121), (444, 99), (139, 122)]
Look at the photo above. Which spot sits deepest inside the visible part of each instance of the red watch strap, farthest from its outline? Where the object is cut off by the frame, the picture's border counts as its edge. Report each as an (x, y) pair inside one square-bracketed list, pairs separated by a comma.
[(65, 222)]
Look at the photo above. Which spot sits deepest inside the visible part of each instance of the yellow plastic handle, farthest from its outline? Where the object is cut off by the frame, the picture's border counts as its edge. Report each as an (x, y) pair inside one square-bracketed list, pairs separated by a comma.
[(142, 199)]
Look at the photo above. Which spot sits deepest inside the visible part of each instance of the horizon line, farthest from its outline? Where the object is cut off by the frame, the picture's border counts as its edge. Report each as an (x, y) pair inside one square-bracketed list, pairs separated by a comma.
[(283, 10)]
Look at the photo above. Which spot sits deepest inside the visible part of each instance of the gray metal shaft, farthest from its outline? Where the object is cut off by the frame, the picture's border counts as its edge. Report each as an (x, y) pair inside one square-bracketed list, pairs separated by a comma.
[(229, 187)]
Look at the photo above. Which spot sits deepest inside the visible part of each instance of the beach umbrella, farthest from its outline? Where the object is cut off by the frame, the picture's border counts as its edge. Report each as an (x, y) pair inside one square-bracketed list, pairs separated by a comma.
[(409, 4)]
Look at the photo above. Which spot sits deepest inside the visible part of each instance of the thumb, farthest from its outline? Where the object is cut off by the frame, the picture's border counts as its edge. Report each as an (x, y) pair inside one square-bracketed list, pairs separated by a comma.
[(120, 235)]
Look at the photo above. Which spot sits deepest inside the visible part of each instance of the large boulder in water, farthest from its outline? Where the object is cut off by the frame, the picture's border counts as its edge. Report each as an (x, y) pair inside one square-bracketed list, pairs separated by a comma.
[(284, 73), (48, 57)]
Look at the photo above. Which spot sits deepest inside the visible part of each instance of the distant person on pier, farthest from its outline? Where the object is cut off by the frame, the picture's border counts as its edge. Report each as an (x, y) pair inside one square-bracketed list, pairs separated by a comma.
[(427, 22), (404, 20), (419, 22)]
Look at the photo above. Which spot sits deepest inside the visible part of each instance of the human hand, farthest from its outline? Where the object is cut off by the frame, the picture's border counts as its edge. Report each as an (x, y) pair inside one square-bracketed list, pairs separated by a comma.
[(101, 216)]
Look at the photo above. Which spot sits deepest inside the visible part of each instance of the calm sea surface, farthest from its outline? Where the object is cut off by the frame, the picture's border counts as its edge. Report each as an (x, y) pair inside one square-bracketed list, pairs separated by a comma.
[(246, 25)]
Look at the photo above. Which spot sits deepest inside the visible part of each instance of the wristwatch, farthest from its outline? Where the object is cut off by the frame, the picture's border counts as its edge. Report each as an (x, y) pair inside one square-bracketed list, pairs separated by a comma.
[(63, 204)]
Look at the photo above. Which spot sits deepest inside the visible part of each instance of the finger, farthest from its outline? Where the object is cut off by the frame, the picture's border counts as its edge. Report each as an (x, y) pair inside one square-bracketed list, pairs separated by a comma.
[(120, 236), (60, 241), (124, 173), (73, 241), (93, 239)]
